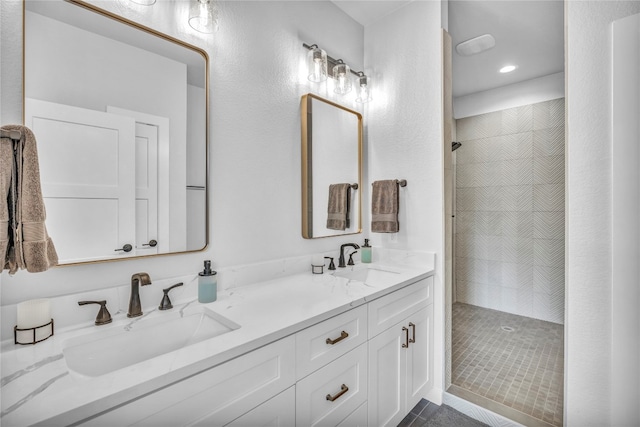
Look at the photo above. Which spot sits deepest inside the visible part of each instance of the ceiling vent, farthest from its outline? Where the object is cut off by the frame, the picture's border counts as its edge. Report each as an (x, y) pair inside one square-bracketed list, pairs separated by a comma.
[(476, 45)]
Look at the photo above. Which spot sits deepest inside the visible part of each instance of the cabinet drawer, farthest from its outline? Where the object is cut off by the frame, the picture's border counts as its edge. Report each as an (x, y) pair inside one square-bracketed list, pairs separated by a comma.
[(216, 396), (344, 380), (388, 310), (320, 344), (279, 411), (358, 418)]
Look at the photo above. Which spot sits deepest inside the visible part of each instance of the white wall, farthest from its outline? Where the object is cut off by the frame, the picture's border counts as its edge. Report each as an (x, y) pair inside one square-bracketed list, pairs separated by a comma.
[(405, 121), (515, 95), (588, 362), (625, 325), (256, 84)]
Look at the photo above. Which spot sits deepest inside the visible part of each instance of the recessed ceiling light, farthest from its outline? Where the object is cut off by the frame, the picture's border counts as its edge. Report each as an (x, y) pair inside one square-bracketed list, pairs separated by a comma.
[(507, 68)]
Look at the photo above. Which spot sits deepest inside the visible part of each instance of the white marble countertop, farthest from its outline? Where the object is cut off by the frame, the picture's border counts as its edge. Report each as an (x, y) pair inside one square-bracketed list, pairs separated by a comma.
[(38, 388)]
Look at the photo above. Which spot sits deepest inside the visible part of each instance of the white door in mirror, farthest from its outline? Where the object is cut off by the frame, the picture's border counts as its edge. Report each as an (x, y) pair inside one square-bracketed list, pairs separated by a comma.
[(87, 167)]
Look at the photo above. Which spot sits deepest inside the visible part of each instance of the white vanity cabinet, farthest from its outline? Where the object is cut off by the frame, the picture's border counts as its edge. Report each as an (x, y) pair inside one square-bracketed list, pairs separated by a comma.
[(400, 356), (367, 366), (216, 396)]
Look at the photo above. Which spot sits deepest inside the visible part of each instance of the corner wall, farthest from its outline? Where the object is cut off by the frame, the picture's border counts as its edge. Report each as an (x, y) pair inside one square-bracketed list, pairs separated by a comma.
[(405, 123), (588, 361)]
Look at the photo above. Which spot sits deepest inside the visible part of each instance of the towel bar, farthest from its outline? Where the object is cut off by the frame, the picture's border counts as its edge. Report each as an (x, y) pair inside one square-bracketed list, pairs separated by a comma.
[(354, 186), (400, 182)]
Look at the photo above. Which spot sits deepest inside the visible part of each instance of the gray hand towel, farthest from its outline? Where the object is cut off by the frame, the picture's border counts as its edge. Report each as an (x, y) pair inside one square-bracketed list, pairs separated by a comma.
[(339, 206), (29, 247), (384, 207)]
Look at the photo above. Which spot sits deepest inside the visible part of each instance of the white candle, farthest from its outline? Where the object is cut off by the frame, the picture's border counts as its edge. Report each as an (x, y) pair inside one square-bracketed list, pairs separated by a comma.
[(317, 260), (31, 314)]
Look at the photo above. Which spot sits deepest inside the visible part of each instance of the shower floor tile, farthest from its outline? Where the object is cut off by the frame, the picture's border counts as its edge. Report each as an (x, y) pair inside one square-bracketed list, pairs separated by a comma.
[(513, 360)]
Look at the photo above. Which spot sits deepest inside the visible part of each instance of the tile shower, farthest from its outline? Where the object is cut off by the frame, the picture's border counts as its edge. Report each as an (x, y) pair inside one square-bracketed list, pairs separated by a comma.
[(509, 238)]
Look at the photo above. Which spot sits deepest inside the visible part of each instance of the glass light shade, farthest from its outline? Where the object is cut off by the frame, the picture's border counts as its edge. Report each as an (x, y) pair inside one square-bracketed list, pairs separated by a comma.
[(203, 16), (317, 63), (364, 90), (342, 74)]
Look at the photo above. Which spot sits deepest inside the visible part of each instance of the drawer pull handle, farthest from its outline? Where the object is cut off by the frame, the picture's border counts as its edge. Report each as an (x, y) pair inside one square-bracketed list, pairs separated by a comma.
[(413, 332), (343, 390), (342, 336), (406, 337)]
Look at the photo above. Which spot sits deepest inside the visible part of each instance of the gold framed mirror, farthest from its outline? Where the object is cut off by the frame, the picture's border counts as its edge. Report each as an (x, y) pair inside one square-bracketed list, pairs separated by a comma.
[(120, 113), (331, 168)]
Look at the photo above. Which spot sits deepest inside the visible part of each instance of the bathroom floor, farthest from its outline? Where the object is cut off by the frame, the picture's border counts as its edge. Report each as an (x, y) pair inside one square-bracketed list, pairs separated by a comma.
[(515, 362)]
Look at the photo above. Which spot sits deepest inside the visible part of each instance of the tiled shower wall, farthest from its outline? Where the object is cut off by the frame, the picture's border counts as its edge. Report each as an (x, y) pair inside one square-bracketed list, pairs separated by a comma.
[(509, 241)]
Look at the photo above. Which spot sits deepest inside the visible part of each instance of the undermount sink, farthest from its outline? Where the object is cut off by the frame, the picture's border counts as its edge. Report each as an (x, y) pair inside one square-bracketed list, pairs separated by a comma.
[(116, 347), (369, 275)]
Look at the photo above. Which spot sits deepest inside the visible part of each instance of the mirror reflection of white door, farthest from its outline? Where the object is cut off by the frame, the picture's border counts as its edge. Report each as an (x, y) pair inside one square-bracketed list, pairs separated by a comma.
[(87, 167), (146, 189), (160, 126)]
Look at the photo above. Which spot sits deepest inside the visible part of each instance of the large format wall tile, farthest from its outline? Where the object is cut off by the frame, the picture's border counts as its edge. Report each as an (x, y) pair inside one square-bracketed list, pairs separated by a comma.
[(509, 243), (548, 169)]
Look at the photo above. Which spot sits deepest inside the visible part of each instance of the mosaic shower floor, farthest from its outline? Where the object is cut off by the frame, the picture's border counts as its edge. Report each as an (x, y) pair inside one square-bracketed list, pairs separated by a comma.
[(514, 361)]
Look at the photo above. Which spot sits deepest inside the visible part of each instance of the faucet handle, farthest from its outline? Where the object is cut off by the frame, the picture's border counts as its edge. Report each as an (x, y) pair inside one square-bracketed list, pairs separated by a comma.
[(165, 304), (332, 266), (103, 316), (351, 258)]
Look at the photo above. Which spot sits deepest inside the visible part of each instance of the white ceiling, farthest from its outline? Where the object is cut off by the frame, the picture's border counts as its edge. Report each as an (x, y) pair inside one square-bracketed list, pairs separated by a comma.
[(369, 11), (529, 34)]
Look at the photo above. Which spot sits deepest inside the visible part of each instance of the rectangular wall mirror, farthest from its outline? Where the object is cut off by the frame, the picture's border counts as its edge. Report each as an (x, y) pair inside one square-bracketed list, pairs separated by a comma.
[(120, 114), (331, 163)]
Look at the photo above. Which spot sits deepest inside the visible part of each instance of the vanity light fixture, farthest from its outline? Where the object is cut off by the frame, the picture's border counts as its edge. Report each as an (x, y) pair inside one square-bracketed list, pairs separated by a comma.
[(317, 63), (203, 16), (320, 66), (364, 94)]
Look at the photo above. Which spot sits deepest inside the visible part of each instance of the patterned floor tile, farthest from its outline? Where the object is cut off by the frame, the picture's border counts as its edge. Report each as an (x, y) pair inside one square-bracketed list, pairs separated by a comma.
[(513, 360)]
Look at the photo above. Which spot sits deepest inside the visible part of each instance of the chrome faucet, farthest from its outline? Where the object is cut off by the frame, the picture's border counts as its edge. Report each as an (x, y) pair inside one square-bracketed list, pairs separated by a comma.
[(341, 262), (135, 308)]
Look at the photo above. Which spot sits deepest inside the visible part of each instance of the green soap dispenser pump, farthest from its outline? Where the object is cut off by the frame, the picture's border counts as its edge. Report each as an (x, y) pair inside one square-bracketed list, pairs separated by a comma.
[(365, 252), (207, 284)]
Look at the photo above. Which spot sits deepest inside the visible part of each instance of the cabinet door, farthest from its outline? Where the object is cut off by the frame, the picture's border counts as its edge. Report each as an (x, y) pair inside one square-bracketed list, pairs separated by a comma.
[(419, 355), (387, 372), (279, 411), (216, 396), (390, 309)]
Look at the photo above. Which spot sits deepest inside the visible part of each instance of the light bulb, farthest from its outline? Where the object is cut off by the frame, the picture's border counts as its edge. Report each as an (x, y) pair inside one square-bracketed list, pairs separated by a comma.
[(203, 16), (364, 93), (343, 81)]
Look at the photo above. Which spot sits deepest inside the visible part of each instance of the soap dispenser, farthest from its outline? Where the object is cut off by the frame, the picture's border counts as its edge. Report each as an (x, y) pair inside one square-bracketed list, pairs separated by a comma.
[(365, 252), (207, 284)]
